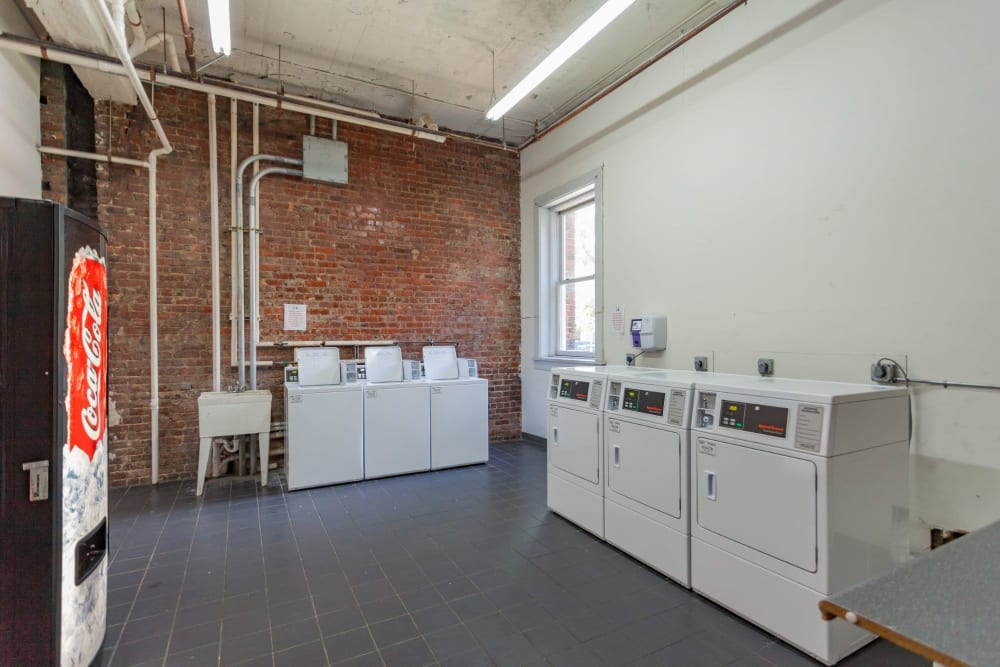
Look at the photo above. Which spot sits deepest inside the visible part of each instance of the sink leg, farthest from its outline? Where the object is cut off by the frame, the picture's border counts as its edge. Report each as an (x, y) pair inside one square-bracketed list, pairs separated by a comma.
[(204, 449), (263, 445)]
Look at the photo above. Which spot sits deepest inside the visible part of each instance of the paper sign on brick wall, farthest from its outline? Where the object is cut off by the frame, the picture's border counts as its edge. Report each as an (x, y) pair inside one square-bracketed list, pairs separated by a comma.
[(295, 317)]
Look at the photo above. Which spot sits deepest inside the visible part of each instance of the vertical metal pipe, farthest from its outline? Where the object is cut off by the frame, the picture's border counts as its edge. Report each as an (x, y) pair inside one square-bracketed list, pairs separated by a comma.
[(254, 215), (213, 183), (154, 343), (233, 151)]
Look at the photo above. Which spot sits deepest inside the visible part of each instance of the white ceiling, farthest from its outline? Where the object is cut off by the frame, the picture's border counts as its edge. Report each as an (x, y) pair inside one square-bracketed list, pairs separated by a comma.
[(405, 58)]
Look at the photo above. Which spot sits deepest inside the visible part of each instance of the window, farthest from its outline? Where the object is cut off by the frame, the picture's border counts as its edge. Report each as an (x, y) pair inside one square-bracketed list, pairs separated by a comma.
[(569, 315)]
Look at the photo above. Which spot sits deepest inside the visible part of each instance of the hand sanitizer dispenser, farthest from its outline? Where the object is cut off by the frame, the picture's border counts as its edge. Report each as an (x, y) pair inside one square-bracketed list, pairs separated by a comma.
[(649, 333)]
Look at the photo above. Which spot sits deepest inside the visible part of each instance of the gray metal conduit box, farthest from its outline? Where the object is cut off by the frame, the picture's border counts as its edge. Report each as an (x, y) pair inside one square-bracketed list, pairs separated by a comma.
[(324, 160)]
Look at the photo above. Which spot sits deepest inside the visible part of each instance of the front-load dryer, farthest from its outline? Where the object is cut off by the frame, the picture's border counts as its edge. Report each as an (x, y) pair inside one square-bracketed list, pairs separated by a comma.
[(647, 424), (800, 490)]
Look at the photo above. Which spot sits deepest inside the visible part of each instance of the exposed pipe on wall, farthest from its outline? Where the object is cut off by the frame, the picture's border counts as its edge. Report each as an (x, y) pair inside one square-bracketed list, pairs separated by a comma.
[(117, 37), (188, 38), (213, 186), (254, 213), (233, 151), (238, 251)]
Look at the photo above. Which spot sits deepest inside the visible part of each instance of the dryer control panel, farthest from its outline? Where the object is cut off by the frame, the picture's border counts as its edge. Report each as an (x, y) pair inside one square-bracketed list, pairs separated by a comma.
[(581, 391), (649, 402), (776, 422)]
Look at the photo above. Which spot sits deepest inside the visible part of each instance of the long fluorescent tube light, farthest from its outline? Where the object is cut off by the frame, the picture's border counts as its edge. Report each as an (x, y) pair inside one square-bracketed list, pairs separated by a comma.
[(599, 20), (218, 21)]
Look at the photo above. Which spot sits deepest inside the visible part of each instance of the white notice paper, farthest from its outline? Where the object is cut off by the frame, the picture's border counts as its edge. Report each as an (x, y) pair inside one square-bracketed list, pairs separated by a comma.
[(295, 317), (618, 320)]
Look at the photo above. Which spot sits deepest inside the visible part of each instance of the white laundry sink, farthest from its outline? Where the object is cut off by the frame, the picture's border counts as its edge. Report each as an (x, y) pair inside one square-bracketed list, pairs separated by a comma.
[(223, 413)]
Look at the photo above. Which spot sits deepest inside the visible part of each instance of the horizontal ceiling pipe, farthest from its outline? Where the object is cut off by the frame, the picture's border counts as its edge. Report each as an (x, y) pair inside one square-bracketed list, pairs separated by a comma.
[(594, 99), (76, 57)]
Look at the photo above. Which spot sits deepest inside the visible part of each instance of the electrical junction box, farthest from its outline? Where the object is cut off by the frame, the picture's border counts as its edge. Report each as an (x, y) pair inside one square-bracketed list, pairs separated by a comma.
[(324, 160), (649, 333)]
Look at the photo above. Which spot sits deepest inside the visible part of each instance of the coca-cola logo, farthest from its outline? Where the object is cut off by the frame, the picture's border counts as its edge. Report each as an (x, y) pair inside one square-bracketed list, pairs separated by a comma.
[(86, 349)]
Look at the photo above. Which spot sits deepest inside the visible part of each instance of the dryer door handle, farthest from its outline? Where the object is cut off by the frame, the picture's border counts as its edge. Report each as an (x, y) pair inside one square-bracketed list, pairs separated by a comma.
[(711, 485), (617, 455), (555, 435)]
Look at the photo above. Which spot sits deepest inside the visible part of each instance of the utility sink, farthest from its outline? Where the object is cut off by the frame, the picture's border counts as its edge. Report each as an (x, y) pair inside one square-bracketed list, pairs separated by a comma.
[(222, 414), (225, 413)]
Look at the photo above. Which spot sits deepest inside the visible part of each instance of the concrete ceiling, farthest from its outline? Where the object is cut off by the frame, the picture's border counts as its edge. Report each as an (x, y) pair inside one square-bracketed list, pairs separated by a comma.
[(404, 58)]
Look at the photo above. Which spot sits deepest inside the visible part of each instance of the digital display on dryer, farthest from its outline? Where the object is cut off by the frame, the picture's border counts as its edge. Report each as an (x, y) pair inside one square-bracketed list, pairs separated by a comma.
[(639, 400), (755, 418), (575, 389)]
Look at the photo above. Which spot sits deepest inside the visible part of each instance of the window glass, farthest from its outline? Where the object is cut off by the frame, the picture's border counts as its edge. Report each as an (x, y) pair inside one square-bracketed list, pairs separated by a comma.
[(575, 314), (578, 242)]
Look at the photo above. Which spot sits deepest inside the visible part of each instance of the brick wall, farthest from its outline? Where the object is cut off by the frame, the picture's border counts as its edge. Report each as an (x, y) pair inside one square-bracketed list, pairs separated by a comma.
[(422, 245)]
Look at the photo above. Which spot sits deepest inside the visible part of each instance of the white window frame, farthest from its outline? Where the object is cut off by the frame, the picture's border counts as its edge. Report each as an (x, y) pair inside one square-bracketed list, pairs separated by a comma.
[(549, 262)]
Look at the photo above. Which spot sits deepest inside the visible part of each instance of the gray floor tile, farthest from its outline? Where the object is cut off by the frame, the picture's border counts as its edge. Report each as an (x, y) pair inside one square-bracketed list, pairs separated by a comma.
[(350, 644), (434, 618), (451, 641), (393, 631), (342, 620), (305, 655), (294, 634), (411, 653)]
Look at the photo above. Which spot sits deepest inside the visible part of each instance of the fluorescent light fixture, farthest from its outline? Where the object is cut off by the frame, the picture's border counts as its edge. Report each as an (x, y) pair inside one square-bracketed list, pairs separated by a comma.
[(218, 21), (599, 20)]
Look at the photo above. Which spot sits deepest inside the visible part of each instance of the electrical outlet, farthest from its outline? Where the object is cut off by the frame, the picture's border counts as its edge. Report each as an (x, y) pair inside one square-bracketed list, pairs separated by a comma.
[(884, 372), (629, 359), (701, 363), (765, 367)]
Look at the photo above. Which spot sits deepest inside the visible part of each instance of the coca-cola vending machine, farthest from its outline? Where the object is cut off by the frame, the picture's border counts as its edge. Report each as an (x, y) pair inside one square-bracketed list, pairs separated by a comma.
[(53, 435)]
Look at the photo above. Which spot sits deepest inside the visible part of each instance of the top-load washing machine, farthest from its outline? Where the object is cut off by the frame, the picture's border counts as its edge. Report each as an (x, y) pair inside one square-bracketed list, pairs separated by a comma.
[(799, 489), (647, 431), (459, 410), (396, 415), (575, 469), (324, 437)]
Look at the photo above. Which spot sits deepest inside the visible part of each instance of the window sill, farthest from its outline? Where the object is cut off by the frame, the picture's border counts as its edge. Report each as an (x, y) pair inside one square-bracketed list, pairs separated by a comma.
[(566, 361)]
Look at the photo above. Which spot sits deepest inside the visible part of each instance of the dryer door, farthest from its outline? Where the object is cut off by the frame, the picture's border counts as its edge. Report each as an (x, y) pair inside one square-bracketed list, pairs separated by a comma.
[(575, 442), (644, 464), (760, 499)]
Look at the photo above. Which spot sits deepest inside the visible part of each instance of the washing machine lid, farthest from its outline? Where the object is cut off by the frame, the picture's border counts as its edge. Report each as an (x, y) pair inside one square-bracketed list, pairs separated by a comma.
[(318, 365), (440, 362), (383, 364)]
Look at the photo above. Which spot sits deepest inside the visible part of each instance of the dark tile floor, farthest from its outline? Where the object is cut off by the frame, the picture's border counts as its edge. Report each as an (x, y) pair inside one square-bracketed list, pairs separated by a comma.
[(458, 567)]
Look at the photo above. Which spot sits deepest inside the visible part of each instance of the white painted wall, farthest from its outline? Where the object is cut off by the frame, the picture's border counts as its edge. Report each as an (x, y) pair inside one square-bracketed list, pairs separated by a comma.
[(20, 163), (816, 181)]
